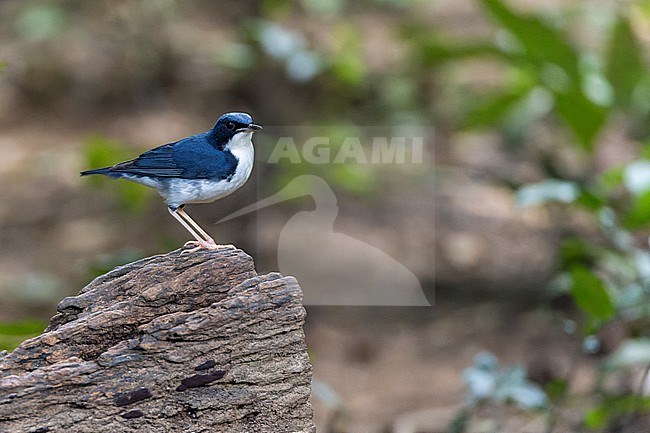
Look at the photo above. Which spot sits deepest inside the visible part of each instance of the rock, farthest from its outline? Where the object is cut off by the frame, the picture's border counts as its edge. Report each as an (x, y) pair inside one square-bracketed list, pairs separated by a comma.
[(188, 342)]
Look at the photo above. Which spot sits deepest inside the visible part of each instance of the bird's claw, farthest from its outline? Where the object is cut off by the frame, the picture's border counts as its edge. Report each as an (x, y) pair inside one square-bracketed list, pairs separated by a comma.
[(198, 245)]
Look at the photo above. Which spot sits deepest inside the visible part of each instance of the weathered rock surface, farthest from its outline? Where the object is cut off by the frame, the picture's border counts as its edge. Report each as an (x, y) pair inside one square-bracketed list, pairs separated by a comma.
[(173, 343)]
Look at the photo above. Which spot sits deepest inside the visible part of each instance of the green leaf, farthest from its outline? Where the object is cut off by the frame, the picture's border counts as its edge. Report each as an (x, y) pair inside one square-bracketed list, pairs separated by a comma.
[(492, 110), (557, 388), (431, 50), (576, 251), (615, 407), (434, 52), (624, 64), (596, 418), (590, 294), (558, 68), (639, 214), (542, 44), (590, 200), (612, 178), (582, 116)]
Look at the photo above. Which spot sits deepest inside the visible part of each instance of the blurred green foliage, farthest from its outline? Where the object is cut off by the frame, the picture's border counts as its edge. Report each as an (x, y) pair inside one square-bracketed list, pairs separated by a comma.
[(40, 22), (101, 152), (14, 333), (544, 56), (582, 87), (106, 262), (615, 409), (609, 279), (547, 73), (590, 293)]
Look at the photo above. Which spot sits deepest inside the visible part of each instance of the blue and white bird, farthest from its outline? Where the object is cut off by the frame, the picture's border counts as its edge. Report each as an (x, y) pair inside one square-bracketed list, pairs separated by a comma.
[(198, 169)]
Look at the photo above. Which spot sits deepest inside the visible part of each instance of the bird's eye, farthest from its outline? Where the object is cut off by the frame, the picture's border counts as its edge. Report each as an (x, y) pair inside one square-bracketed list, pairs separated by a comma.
[(230, 126)]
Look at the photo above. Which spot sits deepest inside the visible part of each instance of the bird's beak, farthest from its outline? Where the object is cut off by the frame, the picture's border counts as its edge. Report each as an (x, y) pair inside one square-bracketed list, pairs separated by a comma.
[(251, 127)]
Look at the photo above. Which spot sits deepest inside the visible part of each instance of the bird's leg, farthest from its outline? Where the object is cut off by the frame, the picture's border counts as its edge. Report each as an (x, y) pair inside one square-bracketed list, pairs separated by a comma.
[(207, 242), (193, 223)]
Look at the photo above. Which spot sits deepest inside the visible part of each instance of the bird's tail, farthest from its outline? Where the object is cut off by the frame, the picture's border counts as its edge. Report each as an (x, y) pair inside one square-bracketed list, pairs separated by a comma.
[(106, 171)]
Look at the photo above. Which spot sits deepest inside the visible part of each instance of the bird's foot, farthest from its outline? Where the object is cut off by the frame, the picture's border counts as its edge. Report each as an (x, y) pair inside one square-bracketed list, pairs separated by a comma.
[(197, 245)]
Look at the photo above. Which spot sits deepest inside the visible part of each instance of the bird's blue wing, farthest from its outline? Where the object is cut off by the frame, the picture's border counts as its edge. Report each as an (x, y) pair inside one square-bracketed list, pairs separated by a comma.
[(157, 162), (201, 160), (191, 158)]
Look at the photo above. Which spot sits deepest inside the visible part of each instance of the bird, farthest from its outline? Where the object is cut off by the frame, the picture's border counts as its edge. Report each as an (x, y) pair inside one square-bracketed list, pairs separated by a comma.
[(335, 268), (201, 168)]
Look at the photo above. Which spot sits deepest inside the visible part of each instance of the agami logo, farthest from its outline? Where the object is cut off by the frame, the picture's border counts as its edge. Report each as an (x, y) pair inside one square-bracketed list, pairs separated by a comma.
[(335, 268)]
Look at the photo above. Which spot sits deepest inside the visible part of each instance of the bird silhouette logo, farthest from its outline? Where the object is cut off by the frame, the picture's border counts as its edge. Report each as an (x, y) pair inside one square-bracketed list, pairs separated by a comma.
[(335, 268)]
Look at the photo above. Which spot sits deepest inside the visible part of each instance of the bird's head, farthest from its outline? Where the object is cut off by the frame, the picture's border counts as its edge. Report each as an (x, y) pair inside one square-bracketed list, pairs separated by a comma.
[(232, 124)]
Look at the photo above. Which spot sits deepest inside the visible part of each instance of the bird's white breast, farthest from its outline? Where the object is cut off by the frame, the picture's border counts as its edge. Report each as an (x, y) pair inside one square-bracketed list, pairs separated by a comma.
[(183, 191)]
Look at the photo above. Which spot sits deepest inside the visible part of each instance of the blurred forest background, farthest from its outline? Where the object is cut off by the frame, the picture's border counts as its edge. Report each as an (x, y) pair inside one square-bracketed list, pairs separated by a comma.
[(527, 223)]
